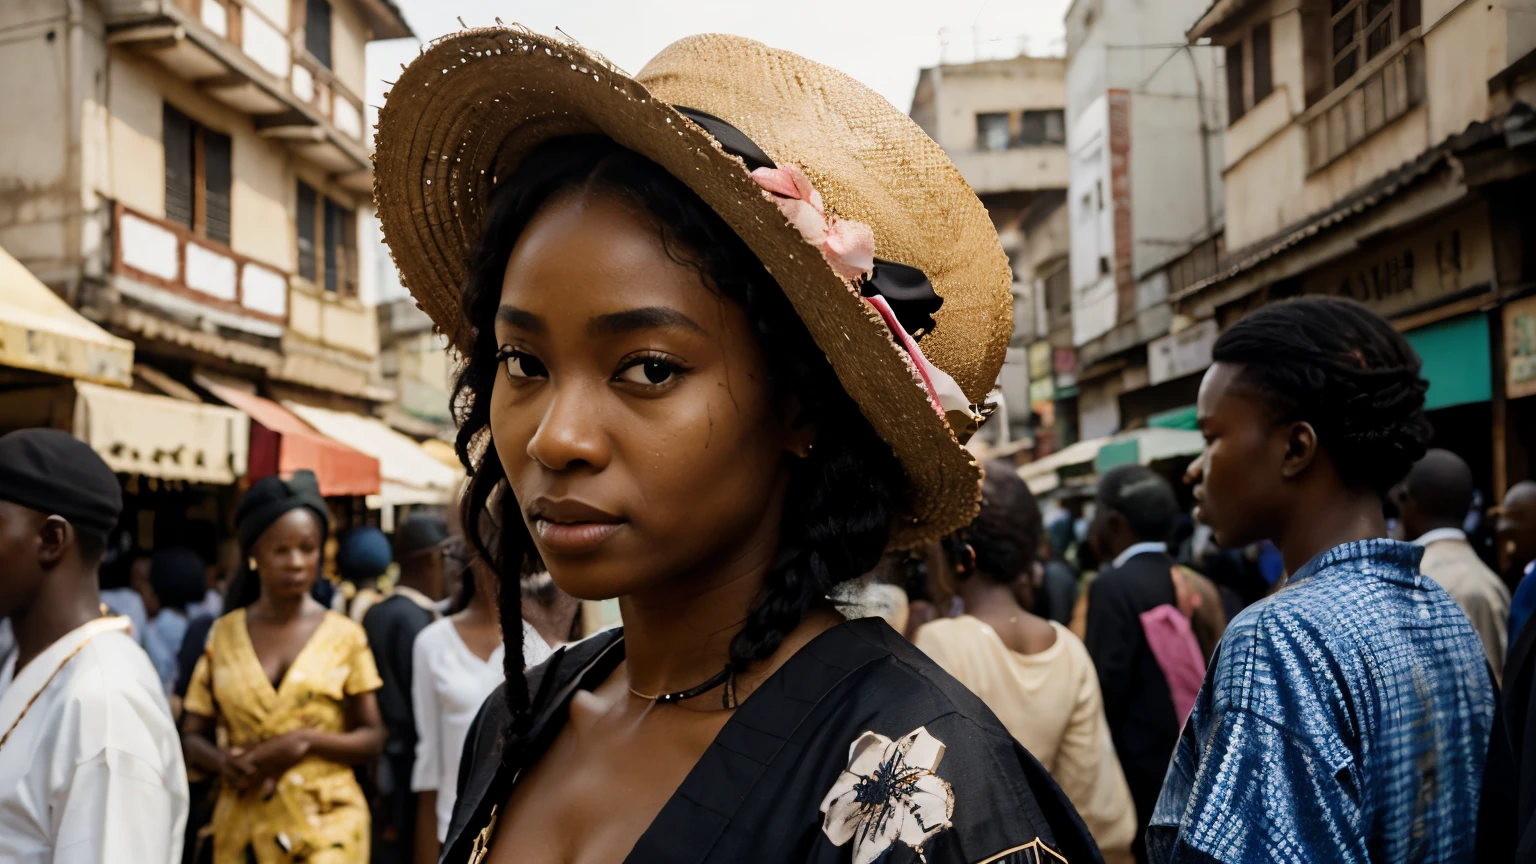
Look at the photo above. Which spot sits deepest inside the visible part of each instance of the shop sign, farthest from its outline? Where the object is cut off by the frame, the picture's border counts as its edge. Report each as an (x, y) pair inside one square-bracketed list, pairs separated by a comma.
[(1039, 361), (1414, 271), (1065, 365), (1183, 353), (1520, 348)]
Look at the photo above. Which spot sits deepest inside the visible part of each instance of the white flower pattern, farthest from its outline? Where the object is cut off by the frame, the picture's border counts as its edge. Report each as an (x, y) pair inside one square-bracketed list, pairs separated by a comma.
[(889, 792)]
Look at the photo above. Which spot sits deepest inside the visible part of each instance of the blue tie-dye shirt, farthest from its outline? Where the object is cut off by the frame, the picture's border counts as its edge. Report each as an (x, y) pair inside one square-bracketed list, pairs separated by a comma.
[(1345, 719)]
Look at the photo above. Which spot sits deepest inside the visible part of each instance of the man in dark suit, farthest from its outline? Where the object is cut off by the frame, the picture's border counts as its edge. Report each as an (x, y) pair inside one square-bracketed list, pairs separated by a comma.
[(1135, 512)]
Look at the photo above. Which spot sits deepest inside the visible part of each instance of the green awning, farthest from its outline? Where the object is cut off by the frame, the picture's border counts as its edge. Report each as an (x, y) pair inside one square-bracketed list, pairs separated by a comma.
[(1117, 453), (1178, 418), (1457, 363)]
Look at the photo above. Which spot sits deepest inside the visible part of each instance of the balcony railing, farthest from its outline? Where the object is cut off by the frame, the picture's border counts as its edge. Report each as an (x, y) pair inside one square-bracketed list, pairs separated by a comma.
[(1389, 87), (230, 50), (317, 87), (169, 255)]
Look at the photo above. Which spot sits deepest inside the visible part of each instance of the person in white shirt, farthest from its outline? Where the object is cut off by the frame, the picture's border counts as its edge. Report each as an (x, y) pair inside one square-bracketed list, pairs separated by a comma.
[(456, 663), (90, 762)]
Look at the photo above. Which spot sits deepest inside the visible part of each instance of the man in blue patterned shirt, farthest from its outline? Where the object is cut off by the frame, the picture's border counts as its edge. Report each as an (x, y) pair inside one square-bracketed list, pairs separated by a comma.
[(1346, 718)]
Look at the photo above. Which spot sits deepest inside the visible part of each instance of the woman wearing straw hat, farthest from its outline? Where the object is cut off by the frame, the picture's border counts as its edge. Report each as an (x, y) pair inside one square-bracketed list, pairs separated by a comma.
[(725, 326)]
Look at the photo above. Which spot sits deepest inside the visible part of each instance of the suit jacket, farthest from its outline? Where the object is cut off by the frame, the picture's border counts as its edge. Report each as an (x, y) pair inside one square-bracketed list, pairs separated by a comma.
[(1506, 824), (1476, 589), (1137, 703)]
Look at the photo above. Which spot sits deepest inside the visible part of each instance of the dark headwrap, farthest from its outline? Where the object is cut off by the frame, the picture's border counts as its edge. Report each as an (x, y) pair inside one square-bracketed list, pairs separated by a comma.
[(57, 474), (273, 497), (269, 500)]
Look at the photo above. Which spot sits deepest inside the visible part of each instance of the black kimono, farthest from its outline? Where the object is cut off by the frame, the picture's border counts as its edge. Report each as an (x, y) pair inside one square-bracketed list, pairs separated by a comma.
[(859, 749)]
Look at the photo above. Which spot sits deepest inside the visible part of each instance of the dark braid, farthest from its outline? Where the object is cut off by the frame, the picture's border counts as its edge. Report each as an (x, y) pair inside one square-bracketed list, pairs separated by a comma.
[(842, 496), (1337, 365)]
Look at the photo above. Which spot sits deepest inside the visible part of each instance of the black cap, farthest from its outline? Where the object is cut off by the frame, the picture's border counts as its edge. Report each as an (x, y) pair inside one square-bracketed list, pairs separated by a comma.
[(419, 533), (57, 474)]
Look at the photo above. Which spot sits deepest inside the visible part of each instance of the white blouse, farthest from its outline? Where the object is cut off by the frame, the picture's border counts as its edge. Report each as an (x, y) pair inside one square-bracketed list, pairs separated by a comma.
[(93, 769), (448, 684)]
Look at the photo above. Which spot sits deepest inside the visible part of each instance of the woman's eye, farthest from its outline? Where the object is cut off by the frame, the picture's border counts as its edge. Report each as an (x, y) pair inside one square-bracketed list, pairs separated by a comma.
[(520, 365), (650, 371)]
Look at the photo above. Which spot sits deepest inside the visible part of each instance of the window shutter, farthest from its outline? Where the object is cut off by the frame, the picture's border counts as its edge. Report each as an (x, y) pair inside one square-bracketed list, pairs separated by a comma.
[(219, 176), (317, 30), (177, 134), (1263, 76), (333, 249), (306, 226), (1235, 102)]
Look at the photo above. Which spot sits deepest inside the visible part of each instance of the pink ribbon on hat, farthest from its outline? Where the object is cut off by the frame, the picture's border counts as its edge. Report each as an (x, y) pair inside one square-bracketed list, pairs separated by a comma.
[(943, 391), (847, 245)]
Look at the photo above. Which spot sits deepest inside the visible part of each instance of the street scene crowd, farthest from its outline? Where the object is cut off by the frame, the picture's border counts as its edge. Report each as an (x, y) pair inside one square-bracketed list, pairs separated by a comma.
[(768, 478)]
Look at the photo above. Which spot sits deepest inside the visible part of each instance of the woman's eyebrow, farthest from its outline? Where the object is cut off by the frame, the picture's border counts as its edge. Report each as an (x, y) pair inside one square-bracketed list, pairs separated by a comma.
[(644, 318), (522, 319)]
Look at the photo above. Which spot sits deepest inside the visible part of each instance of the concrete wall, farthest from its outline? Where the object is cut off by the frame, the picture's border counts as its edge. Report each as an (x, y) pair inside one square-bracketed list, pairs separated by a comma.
[(1171, 188), (1091, 214), (349, 38), (34, 155), (1268, 187), (1020, 84)]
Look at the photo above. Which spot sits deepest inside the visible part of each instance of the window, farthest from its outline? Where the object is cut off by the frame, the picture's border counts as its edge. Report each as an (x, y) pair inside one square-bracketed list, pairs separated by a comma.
[(308, 203), (1042, 127), (198, 175), (317, 30), (1359, 30), (1263, 74), (1236, 105), (992, 131), (327, 233)]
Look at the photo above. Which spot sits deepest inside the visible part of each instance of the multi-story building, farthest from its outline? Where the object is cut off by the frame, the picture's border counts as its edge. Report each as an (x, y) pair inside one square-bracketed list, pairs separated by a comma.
[(1144, 120), (1003, 124), (195, 176), (1385, 150)]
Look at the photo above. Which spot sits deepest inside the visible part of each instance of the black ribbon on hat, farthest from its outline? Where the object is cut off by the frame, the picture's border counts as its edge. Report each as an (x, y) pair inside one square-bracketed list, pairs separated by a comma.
[(906, 289)]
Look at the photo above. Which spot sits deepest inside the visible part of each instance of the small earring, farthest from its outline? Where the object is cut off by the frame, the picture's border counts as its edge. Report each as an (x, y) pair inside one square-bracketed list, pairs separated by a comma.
[(251, 563)]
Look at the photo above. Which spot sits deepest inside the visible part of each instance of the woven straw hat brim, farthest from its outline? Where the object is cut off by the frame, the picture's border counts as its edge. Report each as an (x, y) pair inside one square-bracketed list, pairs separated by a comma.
[(467, 111)]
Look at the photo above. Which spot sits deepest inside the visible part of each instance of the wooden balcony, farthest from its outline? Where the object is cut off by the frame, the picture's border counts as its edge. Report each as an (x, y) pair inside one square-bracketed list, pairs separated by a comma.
[(169, 256), (1391, 85), (235, 54)]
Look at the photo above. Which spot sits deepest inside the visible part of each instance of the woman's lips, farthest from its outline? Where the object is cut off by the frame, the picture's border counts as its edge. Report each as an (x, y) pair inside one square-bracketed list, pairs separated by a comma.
[(573, 538)]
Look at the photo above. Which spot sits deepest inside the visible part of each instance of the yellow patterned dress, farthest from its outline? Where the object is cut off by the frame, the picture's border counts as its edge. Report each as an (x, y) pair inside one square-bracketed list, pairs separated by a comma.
[(318, 813)]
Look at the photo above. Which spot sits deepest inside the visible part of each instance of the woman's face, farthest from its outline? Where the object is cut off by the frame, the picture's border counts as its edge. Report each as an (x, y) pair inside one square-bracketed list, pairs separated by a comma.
[(288, 555), (1242, 486), (633, 411)]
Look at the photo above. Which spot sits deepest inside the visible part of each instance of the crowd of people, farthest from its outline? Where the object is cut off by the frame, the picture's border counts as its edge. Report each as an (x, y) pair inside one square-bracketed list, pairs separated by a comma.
[(689, 385)]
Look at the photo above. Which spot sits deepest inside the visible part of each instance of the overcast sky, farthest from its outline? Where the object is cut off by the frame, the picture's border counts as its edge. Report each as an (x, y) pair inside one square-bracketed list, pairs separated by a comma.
[(882, 43)]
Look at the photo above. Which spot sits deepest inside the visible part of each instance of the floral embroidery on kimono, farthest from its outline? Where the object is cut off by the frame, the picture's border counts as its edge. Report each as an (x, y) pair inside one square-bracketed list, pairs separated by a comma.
[(889, 793)]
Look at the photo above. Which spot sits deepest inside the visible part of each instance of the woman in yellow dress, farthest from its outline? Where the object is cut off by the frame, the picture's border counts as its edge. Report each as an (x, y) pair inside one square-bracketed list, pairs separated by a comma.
[(291, 685)]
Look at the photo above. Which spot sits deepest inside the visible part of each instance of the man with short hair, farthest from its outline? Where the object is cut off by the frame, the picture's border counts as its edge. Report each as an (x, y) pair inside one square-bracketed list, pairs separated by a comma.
[(392, 625), (1434, 500), (1134, 513), (90, 763), (1516, 537)]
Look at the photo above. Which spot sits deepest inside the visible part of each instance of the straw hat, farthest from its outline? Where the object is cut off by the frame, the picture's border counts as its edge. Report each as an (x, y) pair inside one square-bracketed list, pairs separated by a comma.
[(474, 103)]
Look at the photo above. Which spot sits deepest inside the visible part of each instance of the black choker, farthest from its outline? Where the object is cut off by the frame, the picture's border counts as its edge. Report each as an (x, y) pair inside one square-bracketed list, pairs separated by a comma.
[(724, 676)]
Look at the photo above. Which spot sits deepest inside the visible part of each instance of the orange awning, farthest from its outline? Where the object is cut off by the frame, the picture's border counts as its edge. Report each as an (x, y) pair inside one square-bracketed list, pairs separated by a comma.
[(281, 443)]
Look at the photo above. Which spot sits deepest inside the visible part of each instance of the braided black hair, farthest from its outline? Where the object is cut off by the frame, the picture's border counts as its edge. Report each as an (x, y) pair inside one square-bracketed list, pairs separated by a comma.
[(1337, 365), (843, 494)]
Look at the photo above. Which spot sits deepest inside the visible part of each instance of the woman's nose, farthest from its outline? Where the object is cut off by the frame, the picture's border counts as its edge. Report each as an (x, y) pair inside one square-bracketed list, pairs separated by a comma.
[(571, 433)]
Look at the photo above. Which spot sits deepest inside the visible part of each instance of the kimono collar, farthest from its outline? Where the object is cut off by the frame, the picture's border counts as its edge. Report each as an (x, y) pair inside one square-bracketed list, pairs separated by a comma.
[(1387, 560)]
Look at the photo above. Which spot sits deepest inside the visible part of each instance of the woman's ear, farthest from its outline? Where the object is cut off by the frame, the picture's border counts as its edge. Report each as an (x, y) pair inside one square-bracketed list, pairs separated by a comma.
[(1300, 450), (801, 430)]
